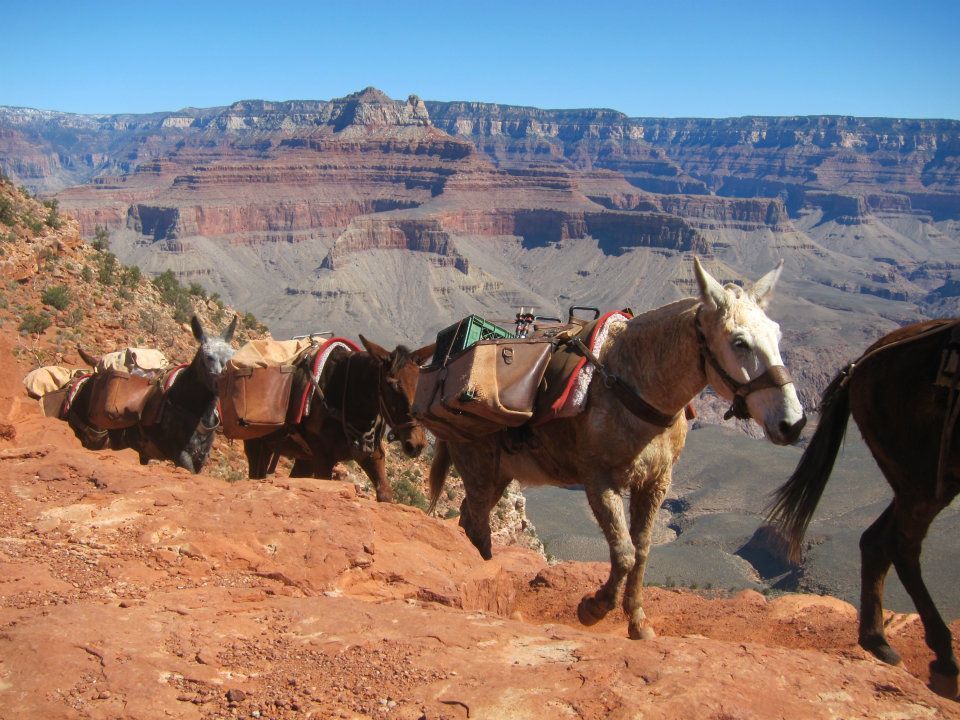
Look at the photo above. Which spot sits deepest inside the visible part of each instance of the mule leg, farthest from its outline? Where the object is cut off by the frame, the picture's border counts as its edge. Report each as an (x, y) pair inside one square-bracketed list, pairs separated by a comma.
[(912, 527), (375, 466), (256, 452), (273, 461), (607, 506), (185, 460), (876, 555), (644, 505), (483, 483), (307, 468)]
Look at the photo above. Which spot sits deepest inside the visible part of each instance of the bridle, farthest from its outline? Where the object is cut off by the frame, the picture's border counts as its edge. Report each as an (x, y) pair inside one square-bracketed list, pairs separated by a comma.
[(395, 427), (775, 376), (368, 440)]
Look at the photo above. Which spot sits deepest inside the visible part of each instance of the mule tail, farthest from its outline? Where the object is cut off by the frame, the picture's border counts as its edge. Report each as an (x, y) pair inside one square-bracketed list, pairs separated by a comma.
[(795, 501), (438, 473)]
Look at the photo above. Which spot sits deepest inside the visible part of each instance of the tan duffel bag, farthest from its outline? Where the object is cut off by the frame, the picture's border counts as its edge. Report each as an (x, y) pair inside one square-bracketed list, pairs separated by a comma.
[(489, 386), (253, 400), (117, 399)]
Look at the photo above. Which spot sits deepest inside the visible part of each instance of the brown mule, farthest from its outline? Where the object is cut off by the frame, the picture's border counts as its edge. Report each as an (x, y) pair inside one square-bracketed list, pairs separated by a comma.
[(362, 394), (907, 422)]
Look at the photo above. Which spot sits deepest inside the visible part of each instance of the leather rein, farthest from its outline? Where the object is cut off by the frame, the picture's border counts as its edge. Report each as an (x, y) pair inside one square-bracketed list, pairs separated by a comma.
[(773, 377)]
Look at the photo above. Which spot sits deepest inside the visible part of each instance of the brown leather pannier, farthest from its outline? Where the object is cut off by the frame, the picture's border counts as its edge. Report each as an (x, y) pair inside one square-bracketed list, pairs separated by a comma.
[(117, 399), (52, 402), (253, 401), (489, 386)]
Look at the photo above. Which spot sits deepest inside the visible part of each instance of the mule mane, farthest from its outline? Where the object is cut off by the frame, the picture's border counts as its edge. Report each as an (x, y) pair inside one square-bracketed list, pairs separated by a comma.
[(665, 311), (399, 358)]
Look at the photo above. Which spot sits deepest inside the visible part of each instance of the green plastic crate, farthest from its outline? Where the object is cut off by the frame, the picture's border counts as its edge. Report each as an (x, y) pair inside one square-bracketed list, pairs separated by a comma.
[(459, 336)]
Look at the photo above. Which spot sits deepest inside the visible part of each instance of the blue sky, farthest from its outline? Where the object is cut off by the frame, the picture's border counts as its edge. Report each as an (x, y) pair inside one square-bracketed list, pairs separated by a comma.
[(680, 58)]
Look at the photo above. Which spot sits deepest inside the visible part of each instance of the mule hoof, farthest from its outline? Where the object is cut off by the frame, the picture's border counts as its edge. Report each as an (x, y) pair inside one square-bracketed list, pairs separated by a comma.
[(944, 684), (880, 649), (644, 632), (590, 611)]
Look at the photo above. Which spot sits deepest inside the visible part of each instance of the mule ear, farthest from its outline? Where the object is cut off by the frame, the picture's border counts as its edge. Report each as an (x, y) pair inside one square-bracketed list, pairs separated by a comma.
[(711, 292), (91, 360), (423, 354), (228, 333), (762, 289), (371, 347), (197, 329)]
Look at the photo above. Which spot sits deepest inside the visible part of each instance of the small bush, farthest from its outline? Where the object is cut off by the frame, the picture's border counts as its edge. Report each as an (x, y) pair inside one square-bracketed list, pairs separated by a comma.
[(36, 227), (101, 238), (86, 274), (53, 219), (7, 215), (174, 295), (131, 277), (107, 268), (35, 323), (197, 290), (75, 317), (56, 296), (406, 492)]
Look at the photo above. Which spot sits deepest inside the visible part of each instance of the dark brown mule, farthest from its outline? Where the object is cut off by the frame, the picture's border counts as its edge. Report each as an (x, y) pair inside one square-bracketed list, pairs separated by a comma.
[(902, 415), (183, 426), (362, 394)]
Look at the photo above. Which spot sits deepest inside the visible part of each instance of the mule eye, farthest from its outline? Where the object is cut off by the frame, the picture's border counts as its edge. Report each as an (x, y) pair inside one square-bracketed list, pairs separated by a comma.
[(741, 344)]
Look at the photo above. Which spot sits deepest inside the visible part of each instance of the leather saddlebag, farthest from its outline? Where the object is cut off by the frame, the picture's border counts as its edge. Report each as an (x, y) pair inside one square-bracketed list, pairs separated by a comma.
[(489, 386), (52, 403), (253, 400), (117, 399)]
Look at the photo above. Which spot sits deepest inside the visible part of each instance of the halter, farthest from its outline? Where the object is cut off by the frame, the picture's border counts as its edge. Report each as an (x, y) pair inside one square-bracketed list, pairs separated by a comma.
[(775, 376), (385, 411)]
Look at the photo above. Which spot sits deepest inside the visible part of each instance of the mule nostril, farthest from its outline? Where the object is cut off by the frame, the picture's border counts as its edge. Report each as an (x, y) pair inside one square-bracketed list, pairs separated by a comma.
[(791, 431)]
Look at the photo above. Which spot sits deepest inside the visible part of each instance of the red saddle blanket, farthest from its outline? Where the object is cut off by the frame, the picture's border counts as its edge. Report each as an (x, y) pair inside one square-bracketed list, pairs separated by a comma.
[(302, 398)]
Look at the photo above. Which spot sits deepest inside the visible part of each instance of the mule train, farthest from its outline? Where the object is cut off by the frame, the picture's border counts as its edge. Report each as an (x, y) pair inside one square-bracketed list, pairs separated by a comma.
[(323, 402)]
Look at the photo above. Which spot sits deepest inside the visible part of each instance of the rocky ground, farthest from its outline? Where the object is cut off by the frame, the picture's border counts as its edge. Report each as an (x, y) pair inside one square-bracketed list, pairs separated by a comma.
[(142, 592), (147, 592)]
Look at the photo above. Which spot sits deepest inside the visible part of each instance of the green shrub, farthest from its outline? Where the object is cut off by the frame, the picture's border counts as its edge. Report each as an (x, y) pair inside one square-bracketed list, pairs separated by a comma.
[(35, 322), (197, 290), (53, 219), (7, 215), (75, 317), (56, 296), (406, 491), (36, 227), (86, 274), (101, 238), (107, 268), (131, 277), (174, 295)]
